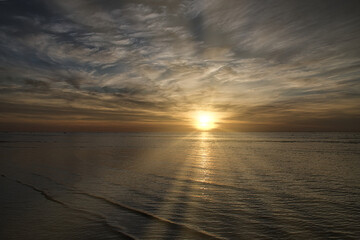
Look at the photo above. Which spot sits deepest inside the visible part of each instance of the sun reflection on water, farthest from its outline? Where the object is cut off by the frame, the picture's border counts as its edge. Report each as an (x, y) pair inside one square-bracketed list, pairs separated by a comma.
[(204, 152)]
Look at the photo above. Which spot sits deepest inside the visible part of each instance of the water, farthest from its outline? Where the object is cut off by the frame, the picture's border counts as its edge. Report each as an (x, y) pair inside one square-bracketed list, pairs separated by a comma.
[(180, 186)]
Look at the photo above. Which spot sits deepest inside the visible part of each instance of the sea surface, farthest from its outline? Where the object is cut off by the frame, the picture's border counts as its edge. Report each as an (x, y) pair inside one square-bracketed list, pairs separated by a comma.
[(180, 186)]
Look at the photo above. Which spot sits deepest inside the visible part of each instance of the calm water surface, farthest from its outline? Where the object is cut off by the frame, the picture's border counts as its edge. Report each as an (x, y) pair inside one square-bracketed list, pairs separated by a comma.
[(180, 186)]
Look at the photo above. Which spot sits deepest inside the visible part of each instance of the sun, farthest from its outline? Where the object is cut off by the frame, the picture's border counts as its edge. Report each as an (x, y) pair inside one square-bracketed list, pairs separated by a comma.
[(205, 121)]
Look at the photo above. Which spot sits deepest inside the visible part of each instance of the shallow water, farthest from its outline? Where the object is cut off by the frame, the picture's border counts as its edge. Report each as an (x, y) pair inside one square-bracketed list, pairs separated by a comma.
[(180, 186)]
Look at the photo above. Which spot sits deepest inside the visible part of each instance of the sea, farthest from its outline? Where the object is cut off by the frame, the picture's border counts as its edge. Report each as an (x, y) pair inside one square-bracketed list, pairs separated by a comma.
[(200, 185)]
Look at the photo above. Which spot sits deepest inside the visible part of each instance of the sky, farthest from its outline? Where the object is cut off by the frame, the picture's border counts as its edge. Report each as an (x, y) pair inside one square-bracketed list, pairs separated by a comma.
[(151, 65)]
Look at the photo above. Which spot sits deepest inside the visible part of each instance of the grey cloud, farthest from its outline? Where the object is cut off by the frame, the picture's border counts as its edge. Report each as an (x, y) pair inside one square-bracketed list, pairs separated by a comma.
[(37, 83), (248, 58)]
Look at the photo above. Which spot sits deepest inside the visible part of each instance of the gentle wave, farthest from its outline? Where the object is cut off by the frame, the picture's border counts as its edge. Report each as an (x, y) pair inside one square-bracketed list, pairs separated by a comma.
[(47, 196), (195, 232)]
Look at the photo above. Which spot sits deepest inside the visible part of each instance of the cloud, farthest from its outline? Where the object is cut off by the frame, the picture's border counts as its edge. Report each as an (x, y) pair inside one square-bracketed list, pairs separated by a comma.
[(250, 61)]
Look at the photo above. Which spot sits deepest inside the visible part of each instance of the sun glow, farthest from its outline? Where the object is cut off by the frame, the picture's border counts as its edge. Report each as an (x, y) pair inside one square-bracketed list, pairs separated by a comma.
[(205, 121)]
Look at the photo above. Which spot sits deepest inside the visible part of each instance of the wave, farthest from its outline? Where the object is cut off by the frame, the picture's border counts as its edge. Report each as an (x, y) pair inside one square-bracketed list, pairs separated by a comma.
[(115, 229), (52, 180), (198, 233), (194, 232)]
